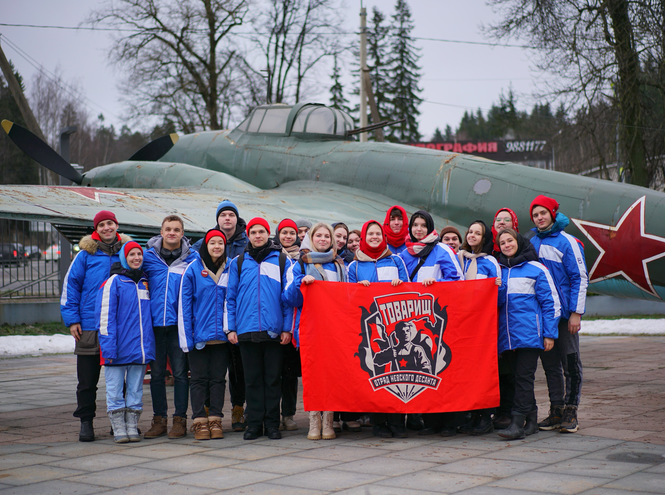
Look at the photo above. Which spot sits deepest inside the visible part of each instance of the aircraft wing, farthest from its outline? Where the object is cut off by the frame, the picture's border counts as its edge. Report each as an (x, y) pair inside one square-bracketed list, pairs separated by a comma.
[(140, 211)]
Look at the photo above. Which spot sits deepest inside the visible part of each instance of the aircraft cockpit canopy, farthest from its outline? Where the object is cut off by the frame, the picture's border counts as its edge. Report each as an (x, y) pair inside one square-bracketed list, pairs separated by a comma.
[(299, 120)]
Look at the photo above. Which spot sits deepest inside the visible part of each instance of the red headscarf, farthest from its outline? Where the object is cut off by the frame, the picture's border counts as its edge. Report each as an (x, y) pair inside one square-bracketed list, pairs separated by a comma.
[(366, 248), (395, 239), (494, 232)]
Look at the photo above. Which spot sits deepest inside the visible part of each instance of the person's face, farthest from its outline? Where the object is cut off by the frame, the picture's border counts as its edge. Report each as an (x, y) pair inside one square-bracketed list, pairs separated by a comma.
[(340, 239), (107, 230), (419, 229), (374, 236), (321, 239), (287, 237), (302, 232), (410, 331), (396, 224), (541, 217), (508, 245), (227, 221), (134, 258), (258, 235), (451, 240), (172, 233), (354, 242), (475, 235), (503, 220), (216, 247)]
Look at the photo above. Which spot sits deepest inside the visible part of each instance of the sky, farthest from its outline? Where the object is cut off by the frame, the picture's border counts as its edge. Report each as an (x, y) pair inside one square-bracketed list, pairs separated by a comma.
[(455, 76)]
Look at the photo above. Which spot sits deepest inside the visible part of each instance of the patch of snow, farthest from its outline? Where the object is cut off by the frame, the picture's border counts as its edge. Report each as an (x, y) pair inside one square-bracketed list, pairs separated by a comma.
[(623, 326), (21, 345)]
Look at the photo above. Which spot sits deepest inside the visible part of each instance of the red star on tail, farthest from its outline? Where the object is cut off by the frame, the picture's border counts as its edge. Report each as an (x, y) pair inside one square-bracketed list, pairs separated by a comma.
[(625, 249)]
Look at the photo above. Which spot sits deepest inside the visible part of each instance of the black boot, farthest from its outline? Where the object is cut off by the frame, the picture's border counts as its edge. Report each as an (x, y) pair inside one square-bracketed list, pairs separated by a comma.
[(516, 429), (484, 425), (531, 425), (87, 433)]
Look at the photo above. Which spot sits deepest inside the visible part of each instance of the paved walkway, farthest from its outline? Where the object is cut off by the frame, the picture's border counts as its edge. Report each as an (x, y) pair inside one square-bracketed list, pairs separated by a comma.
[(620, 446)]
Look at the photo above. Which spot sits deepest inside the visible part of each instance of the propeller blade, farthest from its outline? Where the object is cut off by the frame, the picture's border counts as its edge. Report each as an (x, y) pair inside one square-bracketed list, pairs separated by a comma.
[(41, 152), (156, 149)]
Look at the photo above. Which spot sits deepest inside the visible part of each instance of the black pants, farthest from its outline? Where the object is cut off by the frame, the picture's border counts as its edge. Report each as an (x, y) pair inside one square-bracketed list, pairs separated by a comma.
[(290, 373), (392, 419), (563, 368), (87, 371), (526, 362), (263, 378), (236, 377), (506, 383), (208, 368), (440, 420)]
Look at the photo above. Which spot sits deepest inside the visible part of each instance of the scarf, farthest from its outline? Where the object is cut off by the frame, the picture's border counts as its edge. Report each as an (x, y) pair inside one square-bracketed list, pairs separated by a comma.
[(423, 247), (292, 252), (560, 222), (472, 271), (525, 252), (134, 274), (372, 253), (315, 261), (361, 256), (396, 239), (211, 270), (261, 252), (494, 231), (111, 248)]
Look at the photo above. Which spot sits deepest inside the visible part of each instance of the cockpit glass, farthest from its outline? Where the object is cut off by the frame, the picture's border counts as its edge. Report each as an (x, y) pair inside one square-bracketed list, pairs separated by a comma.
[(275, 120), (321, 121), (256, 120)]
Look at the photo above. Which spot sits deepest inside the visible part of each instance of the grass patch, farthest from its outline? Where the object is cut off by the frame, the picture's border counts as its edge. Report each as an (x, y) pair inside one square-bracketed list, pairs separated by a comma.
[(629, 317), (54, 328)]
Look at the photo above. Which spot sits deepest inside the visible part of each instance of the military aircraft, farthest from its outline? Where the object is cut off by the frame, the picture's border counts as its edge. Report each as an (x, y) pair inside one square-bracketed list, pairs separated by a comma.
[(302, 161)]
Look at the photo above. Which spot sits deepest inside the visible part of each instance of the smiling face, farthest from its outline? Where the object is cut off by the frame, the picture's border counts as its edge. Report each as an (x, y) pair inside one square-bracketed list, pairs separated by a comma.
[(541, 217), (508, 245), (227, 221), (135, 258), (419, 229), (321, 240), (503, 220), (374, 236), (258, 235), (216, 247), (451, 240), (340, 238), (474, 237), (287, 237), (172, 233), (354, 242), (107, 231), (396, 224)]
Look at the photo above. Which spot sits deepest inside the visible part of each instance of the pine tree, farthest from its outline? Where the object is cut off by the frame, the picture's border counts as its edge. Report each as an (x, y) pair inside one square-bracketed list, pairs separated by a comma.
[(337, 99), (377, 61), (404, 76), (437, 137)]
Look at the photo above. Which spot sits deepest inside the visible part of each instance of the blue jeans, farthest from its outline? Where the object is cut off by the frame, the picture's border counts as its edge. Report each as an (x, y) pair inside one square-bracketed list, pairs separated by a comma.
[(166, 343), (116, 376)]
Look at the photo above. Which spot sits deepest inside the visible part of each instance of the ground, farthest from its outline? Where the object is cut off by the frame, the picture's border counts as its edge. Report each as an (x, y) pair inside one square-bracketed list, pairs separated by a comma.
[(620, 446)]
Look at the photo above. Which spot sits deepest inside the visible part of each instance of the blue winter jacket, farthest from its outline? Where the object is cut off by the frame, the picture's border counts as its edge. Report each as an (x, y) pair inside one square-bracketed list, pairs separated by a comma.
[(563, 255), (487, 267), (124, 321), (384, 270), (254, 303), (396, 249), (441, 264), (165, 281), (201, 306), (529, 308)]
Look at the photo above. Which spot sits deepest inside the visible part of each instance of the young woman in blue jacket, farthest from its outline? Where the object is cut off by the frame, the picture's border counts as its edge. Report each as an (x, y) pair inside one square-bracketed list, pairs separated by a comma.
[(529, 312), (318, 261), (126, 340), (201, 333)]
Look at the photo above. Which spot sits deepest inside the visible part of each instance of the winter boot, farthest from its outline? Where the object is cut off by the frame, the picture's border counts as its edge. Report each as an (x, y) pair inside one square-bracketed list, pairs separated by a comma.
[(553, 421), (569, 422), (158, 428), (289, 424), (119, 426), (238, 419), (87, 433), (200, 429), (215, 427), (179, 428), (531, 425), (502, 422), (327, 430), (484, 424), (516, 429), (314, 425), (132, 421)]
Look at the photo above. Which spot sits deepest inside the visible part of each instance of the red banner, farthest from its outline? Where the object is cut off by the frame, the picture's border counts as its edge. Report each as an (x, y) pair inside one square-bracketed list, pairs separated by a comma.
[(406, 349)]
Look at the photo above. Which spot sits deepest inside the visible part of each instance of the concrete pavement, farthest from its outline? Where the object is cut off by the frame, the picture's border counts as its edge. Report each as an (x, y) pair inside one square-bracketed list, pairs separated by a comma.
[(620, 446)]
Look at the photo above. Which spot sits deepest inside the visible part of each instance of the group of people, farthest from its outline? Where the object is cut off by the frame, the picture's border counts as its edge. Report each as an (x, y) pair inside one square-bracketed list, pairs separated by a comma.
[(232, 303)]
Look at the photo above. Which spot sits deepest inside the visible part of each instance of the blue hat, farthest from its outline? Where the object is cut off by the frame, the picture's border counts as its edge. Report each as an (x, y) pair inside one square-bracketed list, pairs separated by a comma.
[(226, 205)]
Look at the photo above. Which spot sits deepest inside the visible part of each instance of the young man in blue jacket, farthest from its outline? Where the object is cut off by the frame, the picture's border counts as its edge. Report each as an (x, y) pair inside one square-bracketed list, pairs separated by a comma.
[(563, 255), (165, 261), (88, 271)]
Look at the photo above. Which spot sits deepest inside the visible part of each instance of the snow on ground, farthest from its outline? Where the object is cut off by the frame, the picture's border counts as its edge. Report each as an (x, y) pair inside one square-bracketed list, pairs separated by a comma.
[(22, 345)]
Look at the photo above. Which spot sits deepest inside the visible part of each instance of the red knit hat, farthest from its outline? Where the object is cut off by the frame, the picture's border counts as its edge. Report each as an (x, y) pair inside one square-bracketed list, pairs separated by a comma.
[(128, 246), (104, 215), (287, 222), (214, 233), (258, 221), (549, 204)]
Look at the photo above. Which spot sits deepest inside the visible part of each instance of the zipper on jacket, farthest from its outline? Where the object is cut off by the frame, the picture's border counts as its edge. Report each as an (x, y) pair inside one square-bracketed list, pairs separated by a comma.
[(138, 297), (258, 265), (510, 344)]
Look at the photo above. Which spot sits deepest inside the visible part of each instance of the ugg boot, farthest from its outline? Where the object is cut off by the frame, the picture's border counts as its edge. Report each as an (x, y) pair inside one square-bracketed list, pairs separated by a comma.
[(200, 429), (516, 429), (158, 428), (179, 428), (531, 425), (327, 430), (215, 427), (314, 425), (238, 419), (132, 421), (119, 426)]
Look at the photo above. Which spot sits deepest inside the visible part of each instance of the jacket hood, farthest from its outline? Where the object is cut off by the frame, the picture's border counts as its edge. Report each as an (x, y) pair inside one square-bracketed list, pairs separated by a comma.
[(88, 244), (560, 222), (156, 243)]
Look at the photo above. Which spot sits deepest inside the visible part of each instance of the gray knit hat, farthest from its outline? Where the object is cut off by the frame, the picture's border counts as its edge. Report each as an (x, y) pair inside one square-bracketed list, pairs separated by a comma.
[(301, 222)]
